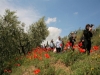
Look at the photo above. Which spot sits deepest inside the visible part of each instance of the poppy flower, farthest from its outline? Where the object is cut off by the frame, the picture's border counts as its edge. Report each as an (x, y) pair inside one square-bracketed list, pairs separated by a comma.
[(81, 50), (5, 70), (35, 55), (80, 44), (9, 71), (68, 44), (75, 46), (47, 55), (91, 50), (95, 47), (17, 64), (36, 71)]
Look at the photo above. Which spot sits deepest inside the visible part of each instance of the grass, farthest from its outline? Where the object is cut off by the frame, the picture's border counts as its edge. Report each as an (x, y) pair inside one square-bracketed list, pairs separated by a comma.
[(66, 63)]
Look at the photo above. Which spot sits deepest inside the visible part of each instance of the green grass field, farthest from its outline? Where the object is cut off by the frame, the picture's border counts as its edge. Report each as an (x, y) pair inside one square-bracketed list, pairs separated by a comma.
[(64, 63)]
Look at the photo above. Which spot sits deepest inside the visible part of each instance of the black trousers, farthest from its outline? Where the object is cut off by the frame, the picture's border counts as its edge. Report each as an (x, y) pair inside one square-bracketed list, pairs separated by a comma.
[(87, 45), (58, 50), (72, 45)]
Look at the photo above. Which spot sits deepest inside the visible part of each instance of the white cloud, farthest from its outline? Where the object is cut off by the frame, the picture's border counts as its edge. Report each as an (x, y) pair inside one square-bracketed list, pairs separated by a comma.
[(75, 13), (27, 15), (49, 20), (53, 34)]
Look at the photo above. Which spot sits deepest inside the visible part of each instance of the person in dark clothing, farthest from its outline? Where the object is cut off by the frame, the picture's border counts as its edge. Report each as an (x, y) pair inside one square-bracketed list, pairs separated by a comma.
[(87, 38), (62, 45), (72, 40)]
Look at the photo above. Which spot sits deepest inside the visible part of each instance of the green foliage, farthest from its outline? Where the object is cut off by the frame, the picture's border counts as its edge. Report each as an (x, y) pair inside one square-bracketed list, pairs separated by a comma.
[(38, 32), (96, 37), (88, 66), (14, 41)]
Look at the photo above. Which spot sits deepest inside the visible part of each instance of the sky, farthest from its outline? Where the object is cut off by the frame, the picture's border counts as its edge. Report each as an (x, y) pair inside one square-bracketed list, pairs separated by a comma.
[(61, 16)]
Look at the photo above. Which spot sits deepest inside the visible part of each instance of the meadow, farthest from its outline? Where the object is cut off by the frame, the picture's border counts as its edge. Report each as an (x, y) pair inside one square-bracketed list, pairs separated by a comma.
[(45, 62)]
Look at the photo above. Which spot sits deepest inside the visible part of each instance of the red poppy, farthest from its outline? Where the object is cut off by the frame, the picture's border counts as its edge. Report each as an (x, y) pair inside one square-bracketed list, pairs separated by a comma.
[(75, 46), (81, 50), (9, 71), (36, 71), (70, 43), (47, 55), (35, 55), (5, 70), (80, 44), (91, 50), (17, 64), (95, 47)]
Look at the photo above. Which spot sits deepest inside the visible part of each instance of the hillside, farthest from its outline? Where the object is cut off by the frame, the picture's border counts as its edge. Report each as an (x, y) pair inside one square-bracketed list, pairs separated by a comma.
[(42, 62)]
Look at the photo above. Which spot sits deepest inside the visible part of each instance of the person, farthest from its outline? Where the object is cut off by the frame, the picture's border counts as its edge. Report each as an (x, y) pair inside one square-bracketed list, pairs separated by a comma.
[(58, 44), (62, 48), (44, 46), (52, 45), (81, 43), (87, 38), (72, 40)]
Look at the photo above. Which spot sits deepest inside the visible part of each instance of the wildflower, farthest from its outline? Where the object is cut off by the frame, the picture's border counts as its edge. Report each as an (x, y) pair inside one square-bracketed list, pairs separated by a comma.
[(35, 55), (5, 70), (47, 56), (95, 47), (81, 50), (18, 65), (9, 71), (91, 50), (80, 44), (36, 71)]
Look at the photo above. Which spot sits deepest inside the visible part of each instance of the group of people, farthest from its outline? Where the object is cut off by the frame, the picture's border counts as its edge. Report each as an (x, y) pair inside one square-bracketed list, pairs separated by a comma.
[(85, 40)]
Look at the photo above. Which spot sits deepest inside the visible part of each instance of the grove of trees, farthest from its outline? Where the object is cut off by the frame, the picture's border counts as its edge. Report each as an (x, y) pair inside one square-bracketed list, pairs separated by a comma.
[(14, 41)]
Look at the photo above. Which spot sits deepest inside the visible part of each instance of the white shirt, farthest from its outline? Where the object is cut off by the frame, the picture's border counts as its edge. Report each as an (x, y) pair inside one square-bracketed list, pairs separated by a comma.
[(58, 43)]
